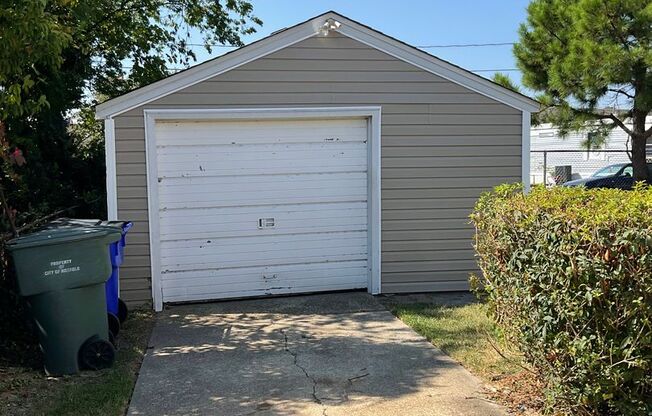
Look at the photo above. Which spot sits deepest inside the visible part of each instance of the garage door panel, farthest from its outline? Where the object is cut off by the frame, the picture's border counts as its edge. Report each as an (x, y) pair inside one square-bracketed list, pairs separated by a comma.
[(283, 226), (242, 256), (279, 188), (305, 196), (276, 159), (322, 232), (254, 245), (305, 256), (261, 152), (240, 130), (238, 137), (258, 251), (243, 181), (264, 287), (222, 251), (224, 215), (217, 180), (261, 241), (280, 191), (192, 294), (271, 167), (255, 274), (257, 281), (207, 184), (262, 132)]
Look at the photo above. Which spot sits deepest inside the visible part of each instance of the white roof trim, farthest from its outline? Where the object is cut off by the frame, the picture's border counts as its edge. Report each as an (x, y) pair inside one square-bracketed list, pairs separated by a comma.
[(302, 31)]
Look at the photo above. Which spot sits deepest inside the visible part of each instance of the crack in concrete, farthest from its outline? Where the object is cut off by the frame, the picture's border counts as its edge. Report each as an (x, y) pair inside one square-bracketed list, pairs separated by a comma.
[(352, 379), (294, 355), (315, 397)]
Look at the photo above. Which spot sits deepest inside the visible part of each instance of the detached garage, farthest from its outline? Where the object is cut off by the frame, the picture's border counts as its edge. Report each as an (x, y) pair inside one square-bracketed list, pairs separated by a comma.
[(327, 156)]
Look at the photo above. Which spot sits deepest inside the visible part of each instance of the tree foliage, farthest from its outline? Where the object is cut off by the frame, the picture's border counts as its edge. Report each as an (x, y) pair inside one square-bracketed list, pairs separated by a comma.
[(106, 47), (33, 38), (57, 58), (505, 81), (591, 60), (131, 43)]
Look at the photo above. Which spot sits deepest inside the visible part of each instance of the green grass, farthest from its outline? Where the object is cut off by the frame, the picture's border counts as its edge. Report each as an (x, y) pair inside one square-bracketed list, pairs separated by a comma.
[(105, 392), (465, 333)]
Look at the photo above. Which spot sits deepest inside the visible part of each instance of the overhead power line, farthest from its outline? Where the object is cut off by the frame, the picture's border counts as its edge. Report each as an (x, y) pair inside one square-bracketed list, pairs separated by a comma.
[(466, 45), (452, 45), (496, 70), (212, 45)]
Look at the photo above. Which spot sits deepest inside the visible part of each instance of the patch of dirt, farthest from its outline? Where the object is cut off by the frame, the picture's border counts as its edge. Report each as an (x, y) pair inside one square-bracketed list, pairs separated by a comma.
[(24, 387), (19, 386), (521, 393)]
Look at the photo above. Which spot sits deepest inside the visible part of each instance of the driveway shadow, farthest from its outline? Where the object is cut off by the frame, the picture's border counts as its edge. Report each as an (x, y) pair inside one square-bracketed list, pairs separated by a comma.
[(323, 354)]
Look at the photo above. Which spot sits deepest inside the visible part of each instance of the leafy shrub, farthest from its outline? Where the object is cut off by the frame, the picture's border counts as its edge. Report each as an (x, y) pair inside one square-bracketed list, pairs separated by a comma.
[(567, 273)]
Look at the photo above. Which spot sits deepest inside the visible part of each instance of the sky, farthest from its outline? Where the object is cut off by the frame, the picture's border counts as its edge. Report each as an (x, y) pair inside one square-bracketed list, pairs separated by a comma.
[(419, 23)]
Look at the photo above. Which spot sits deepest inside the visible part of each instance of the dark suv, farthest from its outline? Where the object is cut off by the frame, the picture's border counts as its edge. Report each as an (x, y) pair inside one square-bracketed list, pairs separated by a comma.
[(618, 176)]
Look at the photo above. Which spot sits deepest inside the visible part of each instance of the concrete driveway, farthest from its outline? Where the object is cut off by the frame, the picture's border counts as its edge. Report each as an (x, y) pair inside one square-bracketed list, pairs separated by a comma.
[(332, 354)]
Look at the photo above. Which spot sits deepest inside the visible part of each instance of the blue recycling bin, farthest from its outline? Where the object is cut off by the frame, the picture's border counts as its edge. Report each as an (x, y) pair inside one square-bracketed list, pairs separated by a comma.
[(114, 305)]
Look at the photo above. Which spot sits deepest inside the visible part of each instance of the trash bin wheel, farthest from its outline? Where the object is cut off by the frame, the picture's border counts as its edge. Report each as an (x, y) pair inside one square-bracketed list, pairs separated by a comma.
[(114, 323), (96, 354), (123, 312)]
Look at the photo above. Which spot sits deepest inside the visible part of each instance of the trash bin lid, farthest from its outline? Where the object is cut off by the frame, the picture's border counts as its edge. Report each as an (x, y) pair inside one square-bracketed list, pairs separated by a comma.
[(72, 222), (124, 226), (53, 234)]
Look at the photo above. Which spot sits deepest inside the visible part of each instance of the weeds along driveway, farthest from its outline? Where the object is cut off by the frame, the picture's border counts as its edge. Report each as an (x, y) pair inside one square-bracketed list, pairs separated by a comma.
[(333, 354)]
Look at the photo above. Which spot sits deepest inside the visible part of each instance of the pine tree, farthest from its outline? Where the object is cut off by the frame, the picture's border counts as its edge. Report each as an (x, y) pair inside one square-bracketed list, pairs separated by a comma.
[(591, 61)]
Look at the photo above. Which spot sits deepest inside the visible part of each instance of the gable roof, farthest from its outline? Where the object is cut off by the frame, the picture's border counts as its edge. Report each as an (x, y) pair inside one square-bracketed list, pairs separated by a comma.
[(289, 36)]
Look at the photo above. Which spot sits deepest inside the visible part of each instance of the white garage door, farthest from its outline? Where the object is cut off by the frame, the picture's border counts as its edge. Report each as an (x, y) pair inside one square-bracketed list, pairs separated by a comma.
[(250, 208)]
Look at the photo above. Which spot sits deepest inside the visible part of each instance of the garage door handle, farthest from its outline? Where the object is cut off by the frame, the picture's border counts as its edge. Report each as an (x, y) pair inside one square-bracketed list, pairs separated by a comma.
[(266, 223)]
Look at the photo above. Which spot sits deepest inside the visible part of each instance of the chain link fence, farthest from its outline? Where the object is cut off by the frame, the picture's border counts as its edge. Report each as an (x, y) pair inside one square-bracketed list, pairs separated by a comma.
[(554, 167)]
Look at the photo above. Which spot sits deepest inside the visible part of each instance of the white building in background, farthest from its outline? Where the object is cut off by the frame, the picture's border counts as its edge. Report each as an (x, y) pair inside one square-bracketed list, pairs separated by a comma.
[(550, 149)]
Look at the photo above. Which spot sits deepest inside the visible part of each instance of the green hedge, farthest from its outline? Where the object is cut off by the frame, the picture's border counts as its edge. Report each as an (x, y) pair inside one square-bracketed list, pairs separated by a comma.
[(567, 273)]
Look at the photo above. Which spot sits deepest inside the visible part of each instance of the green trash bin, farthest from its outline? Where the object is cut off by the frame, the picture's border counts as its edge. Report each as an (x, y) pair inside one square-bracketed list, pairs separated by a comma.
[(61, 272)]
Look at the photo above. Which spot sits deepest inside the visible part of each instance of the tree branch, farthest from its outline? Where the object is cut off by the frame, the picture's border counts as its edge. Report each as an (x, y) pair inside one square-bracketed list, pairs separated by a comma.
[(8, 211), (34, 223), (620, 91), (611, 117), (493, 345), (620, 123), (648, 133)]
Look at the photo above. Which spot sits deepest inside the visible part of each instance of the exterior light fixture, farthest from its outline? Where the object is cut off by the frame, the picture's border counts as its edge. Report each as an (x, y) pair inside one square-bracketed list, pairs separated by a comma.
[(329, 24)]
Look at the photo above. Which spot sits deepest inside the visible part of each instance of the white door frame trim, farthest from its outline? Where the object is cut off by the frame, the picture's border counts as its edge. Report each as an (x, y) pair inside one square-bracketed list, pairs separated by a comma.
[(111, 173), (372, 113)]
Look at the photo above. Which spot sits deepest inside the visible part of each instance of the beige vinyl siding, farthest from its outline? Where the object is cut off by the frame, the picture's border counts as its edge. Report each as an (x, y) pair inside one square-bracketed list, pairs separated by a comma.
[(442, 145)]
